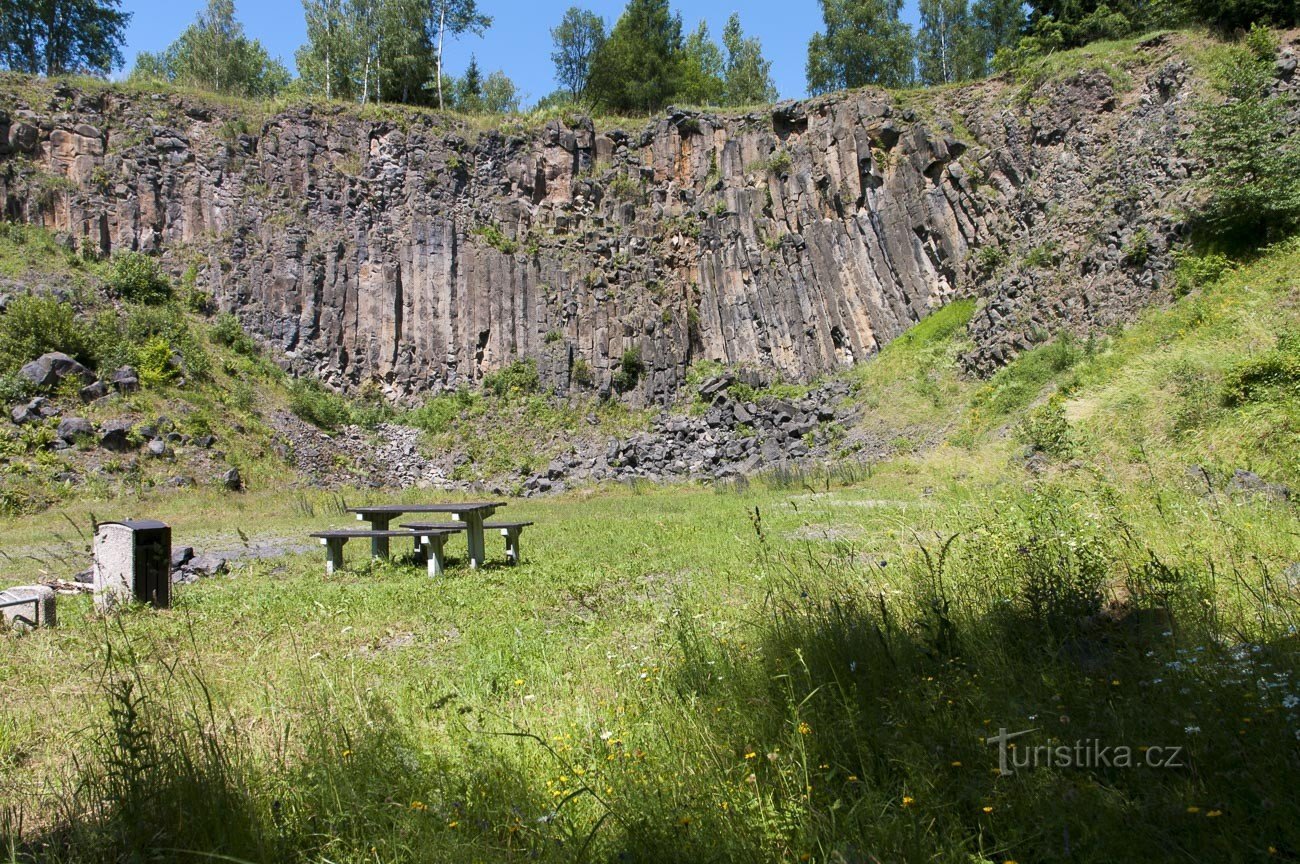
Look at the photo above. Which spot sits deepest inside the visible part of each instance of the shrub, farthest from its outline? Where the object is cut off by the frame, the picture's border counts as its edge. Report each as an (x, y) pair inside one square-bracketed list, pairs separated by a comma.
[(1046, 428), (137, 278), (437, 414), (1258, 376), (629, 370), (227, 331), (580, 374), (520, 377), (14, 388), (1196, 271), (312, 402), (990, 258), (1137, 251), (32, 326), (492, 236), (1251, 188), (153, 361)]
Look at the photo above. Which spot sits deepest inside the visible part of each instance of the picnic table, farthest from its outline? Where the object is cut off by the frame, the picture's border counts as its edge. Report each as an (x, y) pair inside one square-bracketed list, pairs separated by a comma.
[(472, 513)]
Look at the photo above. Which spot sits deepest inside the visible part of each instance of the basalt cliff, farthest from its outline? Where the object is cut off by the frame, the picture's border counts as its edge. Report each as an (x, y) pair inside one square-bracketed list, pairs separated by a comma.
[(420, 251)]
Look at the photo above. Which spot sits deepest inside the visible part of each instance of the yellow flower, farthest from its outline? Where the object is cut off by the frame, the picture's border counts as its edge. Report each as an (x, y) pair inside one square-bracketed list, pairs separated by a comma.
[(1193, 809), (419, 805), (1214, 814), (908, 800), (804, 729), (956, 764), (519, 682), (853, 778), (988, 809), (347, 753), (684, 821), (750, 755), (452, 824)]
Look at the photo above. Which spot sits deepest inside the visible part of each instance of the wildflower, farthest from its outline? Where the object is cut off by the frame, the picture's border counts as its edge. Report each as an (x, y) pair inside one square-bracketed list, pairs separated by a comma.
[(804, 729), (347, 753), (684, 821), (1291, 701), (751, 755), (1192, 730), (987, 809), (419, 805), (853, 778), (908, 800), (956, 764), (519, 682), (1193, 809), (1214, 814), (452, 824)]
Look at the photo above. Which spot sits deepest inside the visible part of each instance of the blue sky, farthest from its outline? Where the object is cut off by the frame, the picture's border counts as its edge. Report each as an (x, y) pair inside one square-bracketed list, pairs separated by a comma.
[(519, 41)]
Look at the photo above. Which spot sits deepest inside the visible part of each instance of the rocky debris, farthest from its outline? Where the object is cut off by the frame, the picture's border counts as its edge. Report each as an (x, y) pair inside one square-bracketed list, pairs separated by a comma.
[(115, 435), (801, 239), (387, 456), (182, 555), (188, 568), (207, 564), (21, 415), (232, 480), (71, 429), (1251, 484), (125, 379), (51, 369)]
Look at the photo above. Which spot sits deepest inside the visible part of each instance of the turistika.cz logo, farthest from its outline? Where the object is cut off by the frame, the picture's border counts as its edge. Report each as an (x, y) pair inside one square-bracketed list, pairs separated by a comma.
[(1086, 753)]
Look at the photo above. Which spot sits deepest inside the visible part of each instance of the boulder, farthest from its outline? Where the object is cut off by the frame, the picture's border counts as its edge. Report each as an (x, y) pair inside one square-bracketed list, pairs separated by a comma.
[(158, 449), (22, 415), (1250, 483), (116, 436), (50, 369), (72, 428), (181, 556), (207, 565), (232, 480), (93, 391)]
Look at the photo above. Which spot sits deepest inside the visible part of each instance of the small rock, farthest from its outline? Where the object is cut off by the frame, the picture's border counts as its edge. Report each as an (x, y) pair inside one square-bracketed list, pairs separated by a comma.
[(125, 379), (232, 480), (181, 556), (1250, 483), (178, 482), (205, 442), (158, 449), (22, 415), (72, 428)]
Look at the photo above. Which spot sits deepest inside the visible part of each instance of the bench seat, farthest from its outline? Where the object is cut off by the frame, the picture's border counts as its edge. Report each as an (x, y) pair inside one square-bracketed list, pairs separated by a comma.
[(433, 538), (511, 531)]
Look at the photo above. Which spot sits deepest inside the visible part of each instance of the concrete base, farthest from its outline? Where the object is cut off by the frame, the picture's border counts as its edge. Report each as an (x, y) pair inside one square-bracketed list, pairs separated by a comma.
[(38, 613)]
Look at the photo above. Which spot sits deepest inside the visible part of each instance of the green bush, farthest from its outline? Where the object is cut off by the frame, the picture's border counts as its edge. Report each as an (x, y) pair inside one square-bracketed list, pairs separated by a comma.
[(1196, 271), (1137, 251), (990, 258), (227, 331), (520, 377), (153, 362), (1250, 150), (629, 370), (580, 374), (492, 236), (14, 388), (309, 399), (137, 278), (32, 326), (1259, 376), (1046, 428), (437, 414)]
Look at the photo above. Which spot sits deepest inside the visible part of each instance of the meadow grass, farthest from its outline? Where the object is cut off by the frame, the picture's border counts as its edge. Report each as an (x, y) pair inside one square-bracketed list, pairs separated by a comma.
[(803, 666)]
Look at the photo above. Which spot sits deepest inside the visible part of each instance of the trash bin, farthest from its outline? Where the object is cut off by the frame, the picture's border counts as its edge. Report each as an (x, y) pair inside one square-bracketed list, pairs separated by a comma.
[(133, 562)]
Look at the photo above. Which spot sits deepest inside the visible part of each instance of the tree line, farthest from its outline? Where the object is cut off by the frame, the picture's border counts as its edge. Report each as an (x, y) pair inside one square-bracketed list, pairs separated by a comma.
[(392, 50)]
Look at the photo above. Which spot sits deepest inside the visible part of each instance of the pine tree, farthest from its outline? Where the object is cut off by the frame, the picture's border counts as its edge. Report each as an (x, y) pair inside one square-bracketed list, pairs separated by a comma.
[(865, 43), (638, 66), (469, 89), (747, 75), (699, 79)]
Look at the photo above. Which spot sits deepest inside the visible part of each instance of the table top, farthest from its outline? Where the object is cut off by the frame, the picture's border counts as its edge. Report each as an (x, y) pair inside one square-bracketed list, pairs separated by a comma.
[(398, 509)]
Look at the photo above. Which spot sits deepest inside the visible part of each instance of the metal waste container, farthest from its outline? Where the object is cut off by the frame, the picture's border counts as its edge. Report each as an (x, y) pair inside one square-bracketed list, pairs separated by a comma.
[(132, 562)]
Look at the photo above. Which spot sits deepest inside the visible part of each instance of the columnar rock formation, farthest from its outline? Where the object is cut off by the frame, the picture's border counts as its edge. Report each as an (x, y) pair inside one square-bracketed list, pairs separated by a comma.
[(420, 252)]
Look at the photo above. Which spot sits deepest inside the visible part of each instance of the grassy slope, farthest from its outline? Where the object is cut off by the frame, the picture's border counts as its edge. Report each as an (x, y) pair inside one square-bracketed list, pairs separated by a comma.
[(700, 668)]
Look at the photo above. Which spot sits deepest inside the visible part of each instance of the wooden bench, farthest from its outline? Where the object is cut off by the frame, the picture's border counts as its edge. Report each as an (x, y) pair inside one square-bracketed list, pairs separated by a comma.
[(510, 531), (333, 541)]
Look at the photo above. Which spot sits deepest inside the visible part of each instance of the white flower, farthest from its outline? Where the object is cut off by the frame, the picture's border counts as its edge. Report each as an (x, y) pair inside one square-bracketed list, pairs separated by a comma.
[(1192, 730), (1291, 701)]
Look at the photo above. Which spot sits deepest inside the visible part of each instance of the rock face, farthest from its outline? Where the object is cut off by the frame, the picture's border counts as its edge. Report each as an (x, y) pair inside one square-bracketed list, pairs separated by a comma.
[(418, 254)]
